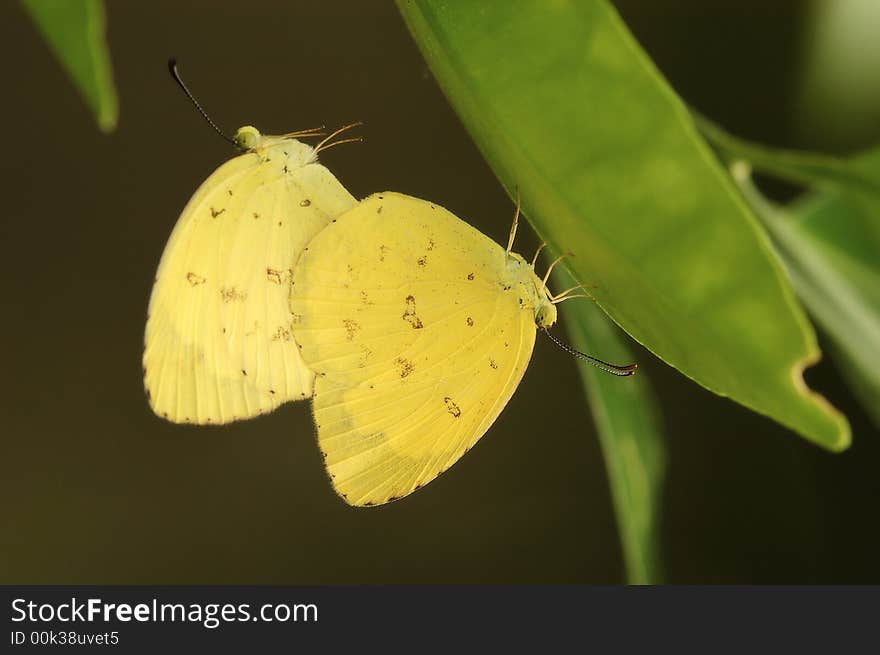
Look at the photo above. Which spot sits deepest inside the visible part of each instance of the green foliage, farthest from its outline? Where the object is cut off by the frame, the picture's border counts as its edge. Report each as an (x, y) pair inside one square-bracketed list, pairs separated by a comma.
[(75, 31), (565, 106)]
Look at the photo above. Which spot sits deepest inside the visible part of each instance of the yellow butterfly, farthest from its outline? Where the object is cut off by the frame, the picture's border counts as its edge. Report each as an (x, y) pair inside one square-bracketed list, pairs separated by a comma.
[(219, 344), (419, 329)]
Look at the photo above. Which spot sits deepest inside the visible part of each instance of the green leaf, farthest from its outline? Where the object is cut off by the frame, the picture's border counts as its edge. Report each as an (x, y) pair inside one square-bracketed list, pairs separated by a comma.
[(565, 105), (630, 433), (835, 269), (75, 31)]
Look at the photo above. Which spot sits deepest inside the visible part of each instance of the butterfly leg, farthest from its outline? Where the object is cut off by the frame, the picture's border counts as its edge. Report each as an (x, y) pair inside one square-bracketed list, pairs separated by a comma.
[(312, 131), (565, 295), (538, 252), (328, 142), (515, 223), (551, 267)]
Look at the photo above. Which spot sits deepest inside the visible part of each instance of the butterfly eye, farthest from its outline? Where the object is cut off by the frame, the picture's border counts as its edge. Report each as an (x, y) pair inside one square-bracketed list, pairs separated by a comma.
[(545, 315), (247, 137)]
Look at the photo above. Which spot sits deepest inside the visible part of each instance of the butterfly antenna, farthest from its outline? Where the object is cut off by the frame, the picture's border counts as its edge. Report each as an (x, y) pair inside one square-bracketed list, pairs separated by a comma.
[(172, 68), (614, 369)]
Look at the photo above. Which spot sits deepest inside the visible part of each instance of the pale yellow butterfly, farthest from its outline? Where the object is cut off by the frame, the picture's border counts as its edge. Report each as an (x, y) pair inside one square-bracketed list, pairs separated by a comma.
[(419, 328), (218, 344)]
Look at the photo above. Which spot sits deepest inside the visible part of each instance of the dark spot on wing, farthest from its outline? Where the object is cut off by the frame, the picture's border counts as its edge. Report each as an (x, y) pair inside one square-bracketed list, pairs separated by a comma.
[(351, 328), (305, 202), (382, 250), (404, 366), (281, 334), (256, 215), (231, 294), (492, 364), (451, 407), (194, 279), (421, 261), (470, 322), (409, 314), (273, 275), (379, 210), (470, 276), (430, 244), (215, 212)]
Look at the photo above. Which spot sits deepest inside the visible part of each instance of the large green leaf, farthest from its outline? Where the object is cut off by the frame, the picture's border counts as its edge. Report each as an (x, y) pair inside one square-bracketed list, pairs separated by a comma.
[(565, 105), (75, 31), (630, 434)]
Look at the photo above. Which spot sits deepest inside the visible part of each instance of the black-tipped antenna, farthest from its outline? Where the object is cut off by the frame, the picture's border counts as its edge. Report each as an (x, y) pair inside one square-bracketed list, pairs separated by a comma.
[(172, 68), (621, 371)]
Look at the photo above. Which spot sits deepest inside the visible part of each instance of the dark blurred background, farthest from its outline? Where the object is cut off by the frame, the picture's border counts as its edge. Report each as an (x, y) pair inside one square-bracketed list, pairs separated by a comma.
[(95, 489)]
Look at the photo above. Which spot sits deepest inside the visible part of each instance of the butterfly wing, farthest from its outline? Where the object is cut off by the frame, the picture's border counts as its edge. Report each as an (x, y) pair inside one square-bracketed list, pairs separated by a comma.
[(401, 311), (218, 345)]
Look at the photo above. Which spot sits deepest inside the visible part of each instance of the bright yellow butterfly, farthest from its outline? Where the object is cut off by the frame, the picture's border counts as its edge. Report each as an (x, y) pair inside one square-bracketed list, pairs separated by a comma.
[(419, 328), (219, 344)]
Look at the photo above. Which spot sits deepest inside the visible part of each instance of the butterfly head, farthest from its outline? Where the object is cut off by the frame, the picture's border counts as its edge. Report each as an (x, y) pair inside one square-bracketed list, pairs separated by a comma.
[(247, 138), (545, 312)]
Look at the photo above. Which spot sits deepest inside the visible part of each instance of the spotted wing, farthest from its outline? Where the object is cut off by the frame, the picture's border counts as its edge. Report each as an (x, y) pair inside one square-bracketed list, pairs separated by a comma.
[(218, 345), (402, 312)]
